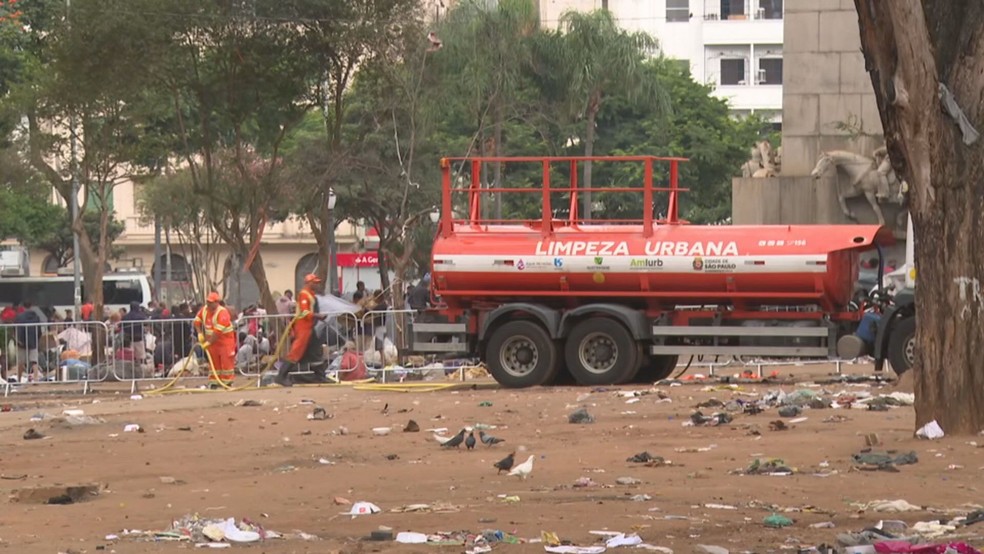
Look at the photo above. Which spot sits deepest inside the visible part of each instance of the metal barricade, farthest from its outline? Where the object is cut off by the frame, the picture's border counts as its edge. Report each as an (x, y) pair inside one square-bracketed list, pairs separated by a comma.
[(266, 340), (386, 334), (155, 349), (53, 352)]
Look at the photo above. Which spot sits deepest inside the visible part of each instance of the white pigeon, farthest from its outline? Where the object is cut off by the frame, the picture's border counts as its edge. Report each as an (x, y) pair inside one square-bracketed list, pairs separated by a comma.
[(524, 469), (441, 439)]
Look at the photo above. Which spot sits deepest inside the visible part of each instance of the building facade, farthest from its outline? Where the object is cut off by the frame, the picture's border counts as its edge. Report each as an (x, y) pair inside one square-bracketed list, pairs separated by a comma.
[(289, 252), (736, 46)]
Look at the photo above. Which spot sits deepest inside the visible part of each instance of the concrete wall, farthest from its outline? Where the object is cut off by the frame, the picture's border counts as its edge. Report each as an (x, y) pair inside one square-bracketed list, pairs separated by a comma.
[(828, 101), (828, 104)]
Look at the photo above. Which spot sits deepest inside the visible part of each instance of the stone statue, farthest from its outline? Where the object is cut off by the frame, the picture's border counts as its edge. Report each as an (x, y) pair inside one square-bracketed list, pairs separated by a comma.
[(762, 163), (872, 178)]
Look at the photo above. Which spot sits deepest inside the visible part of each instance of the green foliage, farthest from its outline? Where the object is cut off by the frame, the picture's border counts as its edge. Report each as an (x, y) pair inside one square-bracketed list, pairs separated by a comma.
[(698, 127), (255, 110)]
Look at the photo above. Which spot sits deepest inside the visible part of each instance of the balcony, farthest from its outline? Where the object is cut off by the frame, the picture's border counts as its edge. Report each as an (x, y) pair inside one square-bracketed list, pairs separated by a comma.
[(751, 97), (751, 31)]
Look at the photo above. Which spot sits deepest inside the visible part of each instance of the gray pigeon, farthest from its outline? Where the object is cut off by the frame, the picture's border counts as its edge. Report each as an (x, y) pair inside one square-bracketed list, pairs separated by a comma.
[(470, 441), (489, 440), (455, 441)]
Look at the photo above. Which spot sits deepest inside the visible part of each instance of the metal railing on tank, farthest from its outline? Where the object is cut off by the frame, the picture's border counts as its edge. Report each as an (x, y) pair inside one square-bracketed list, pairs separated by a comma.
[(561, 198)]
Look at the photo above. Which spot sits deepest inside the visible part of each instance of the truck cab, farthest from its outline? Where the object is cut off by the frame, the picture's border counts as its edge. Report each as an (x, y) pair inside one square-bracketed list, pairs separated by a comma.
[(895, 338)]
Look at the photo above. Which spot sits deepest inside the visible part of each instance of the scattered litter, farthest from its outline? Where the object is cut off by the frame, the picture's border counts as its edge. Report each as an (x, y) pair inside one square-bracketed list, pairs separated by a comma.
[(362, 509), (411, 427), (790, 411), (887, 506), (774, 467), (248, 403), (930, 431), (380, 431), (409, 537), (884, 461), (570, 549), (133, 428), (721, 506), (711, 549), (319, 414), (31, 434), (777, 521), (628, 481), (580, 415), (713, 420)]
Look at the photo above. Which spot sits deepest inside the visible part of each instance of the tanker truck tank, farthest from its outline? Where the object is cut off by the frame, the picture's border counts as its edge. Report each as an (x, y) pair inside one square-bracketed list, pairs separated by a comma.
[(677, 265), (611, 301)]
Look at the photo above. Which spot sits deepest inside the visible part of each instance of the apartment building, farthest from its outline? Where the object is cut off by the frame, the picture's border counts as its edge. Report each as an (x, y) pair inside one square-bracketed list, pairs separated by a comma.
[(733, 45)]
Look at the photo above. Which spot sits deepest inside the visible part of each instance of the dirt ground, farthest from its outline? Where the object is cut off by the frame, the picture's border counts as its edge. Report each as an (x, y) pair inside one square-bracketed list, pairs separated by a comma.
[(261, 462)]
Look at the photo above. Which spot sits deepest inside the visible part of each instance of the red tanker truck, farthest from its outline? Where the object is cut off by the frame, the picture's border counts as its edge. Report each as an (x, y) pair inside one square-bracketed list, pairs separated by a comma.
[(615, 301)]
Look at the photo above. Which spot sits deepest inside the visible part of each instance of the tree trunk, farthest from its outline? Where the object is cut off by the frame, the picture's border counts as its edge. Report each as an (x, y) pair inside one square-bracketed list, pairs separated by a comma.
[(258, 271), (384, 278), (908, 45)]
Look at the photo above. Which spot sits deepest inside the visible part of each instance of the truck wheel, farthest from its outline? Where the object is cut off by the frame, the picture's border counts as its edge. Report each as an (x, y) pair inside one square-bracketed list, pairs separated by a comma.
[(521, 354), (601, 351), (902, 345), (657, 368)]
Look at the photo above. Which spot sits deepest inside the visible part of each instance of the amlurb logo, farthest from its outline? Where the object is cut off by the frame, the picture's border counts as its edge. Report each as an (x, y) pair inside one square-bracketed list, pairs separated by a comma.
[(598, 260), (698, 263), (521, 265), (558, 262), (646, 263)]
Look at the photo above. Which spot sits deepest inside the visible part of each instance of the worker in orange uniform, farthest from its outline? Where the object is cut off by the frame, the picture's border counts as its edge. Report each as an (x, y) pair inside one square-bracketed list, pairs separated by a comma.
[(218, 338), (302, 330)]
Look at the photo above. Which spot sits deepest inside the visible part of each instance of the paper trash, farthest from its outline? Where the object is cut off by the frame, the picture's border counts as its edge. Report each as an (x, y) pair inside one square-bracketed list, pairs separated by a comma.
[(362, 509), (931, 430), (409, 537)]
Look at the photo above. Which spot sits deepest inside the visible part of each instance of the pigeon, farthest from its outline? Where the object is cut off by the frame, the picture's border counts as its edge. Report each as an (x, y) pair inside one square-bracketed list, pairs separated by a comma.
[(470, 441), (505, 464), (455, 441), (441, 439), (489, 440), (524, 469), (386, 409)]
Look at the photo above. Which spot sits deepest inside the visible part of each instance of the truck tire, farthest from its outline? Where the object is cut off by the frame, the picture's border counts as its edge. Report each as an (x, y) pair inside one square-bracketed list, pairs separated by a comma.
[(657, 368), (521, 354), (601, 351), (902, 345)]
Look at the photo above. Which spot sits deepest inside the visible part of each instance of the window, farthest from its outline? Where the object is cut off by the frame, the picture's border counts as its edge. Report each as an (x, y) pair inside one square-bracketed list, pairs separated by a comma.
[(677, 10), (121, 292), (733, 9), (770, 71), (95, 198), (770, 9), (733, 71)]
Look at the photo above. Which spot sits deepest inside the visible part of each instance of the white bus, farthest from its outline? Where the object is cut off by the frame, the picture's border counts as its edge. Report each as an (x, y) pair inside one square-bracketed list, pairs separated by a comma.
[(119, 290)]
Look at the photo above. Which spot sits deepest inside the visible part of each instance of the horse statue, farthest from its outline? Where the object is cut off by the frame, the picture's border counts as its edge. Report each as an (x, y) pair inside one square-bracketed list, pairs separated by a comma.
[(872, 178), (762, 163)]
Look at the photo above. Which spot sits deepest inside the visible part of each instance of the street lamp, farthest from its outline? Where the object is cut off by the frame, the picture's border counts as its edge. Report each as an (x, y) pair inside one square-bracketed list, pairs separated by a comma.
[(332, 254), (435, 216)]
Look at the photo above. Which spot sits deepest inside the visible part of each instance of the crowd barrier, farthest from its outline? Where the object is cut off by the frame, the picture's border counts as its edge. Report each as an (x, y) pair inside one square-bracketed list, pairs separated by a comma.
[(145, 352), (346, 345)]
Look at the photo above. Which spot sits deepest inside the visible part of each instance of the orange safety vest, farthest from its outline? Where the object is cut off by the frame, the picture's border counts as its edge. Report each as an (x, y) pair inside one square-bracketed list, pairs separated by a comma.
[(305, 305), (220, 322)]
